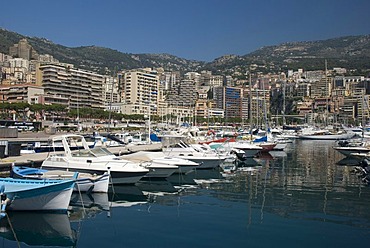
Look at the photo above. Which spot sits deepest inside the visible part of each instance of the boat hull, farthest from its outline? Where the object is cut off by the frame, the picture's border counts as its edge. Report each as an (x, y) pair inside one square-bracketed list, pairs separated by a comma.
[(100, 185), (206, 162), (250, 150), (117, 177), (37, 195), (84, 183), (266, 146), (327, 137), (158, 172), (347, 151), (185, 169), (249, 153), (51, 201)]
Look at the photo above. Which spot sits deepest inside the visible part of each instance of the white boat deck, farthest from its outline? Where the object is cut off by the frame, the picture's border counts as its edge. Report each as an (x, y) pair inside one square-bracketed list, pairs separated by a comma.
[(36, 158)]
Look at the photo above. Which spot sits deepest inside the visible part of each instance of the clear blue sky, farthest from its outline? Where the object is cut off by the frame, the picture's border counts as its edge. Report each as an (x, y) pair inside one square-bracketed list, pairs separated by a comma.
[(191, 29)]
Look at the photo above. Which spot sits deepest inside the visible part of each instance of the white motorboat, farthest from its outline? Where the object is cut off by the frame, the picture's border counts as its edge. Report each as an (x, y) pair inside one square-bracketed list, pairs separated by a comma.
[(353, 148), (156, 169), (206, 158), (250, 150), (324, 134), (228, 150), (158, 161), (97, 160), (342, 136), (85, 182)]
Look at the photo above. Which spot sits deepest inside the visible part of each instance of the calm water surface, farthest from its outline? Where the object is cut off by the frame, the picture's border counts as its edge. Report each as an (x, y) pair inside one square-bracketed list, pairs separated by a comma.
[(302, 197)]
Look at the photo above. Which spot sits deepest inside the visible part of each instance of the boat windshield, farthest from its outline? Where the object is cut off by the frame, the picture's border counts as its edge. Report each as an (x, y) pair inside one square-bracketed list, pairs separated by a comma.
[(82, 153), (100, 151)]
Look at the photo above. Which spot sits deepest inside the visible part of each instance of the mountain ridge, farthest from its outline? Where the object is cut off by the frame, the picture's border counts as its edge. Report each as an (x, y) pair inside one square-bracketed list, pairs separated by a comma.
[(352, 52)]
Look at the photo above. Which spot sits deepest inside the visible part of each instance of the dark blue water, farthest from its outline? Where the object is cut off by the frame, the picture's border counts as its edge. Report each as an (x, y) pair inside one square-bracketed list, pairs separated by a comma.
[(297, 198)]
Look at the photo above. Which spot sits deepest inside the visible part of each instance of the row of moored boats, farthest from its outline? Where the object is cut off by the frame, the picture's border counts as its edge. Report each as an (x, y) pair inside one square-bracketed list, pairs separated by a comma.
[(80, 166)]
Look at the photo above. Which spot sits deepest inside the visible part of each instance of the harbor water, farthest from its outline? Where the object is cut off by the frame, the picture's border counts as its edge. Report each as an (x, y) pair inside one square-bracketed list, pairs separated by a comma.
[(304, 196)]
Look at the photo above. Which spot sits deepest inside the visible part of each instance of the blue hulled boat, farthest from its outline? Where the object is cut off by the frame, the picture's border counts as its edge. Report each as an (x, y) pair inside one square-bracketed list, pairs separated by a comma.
[(35, 195)]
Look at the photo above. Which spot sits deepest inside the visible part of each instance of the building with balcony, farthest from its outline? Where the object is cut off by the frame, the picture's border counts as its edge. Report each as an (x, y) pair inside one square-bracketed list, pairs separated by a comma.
[(322, 88), (139, 90), (84, 89), (20, 93)]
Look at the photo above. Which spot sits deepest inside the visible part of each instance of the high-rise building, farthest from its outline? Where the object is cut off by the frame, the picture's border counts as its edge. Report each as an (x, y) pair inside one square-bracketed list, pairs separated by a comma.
[(230, 99), (23, 50), (140, 91), (111, 96), (84, 89), (322, 88), (260, 106), (216, 81)]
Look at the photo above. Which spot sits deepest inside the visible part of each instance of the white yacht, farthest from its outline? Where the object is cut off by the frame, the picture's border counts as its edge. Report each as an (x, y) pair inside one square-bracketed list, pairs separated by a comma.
[(206, 158), (250, 149), (97, 160), (159, 161)]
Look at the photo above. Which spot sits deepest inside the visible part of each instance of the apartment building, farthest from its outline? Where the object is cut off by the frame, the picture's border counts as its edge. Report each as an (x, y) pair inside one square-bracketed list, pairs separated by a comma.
[(260, 105), (216, 81), (322, 88), (84, 89), (20, 93), (185, 94), (111, 94), (230, 99), (140, 91), (23, 50), (169, 80), (206, 109)]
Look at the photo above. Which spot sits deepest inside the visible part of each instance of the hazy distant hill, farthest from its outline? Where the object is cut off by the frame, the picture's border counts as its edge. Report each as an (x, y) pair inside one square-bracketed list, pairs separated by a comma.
[(98, 58), (352, 52)]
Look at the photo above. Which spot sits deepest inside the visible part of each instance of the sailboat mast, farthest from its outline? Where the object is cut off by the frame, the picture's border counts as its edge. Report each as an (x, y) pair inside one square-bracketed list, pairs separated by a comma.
[(284, 87), (267, 126), (110, 102), (250, 98), (327, 92)]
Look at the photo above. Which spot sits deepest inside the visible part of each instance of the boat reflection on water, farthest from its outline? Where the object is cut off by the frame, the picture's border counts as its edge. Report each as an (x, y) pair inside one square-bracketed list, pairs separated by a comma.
[(278, 154), (207, 174), (160, 192), (88, 205), (192, 179), (250, 165), (350, 161), (182, 180), (98, 200), (156, 187), (126, 196), (249, 162), (265, 156), (38, 229)]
